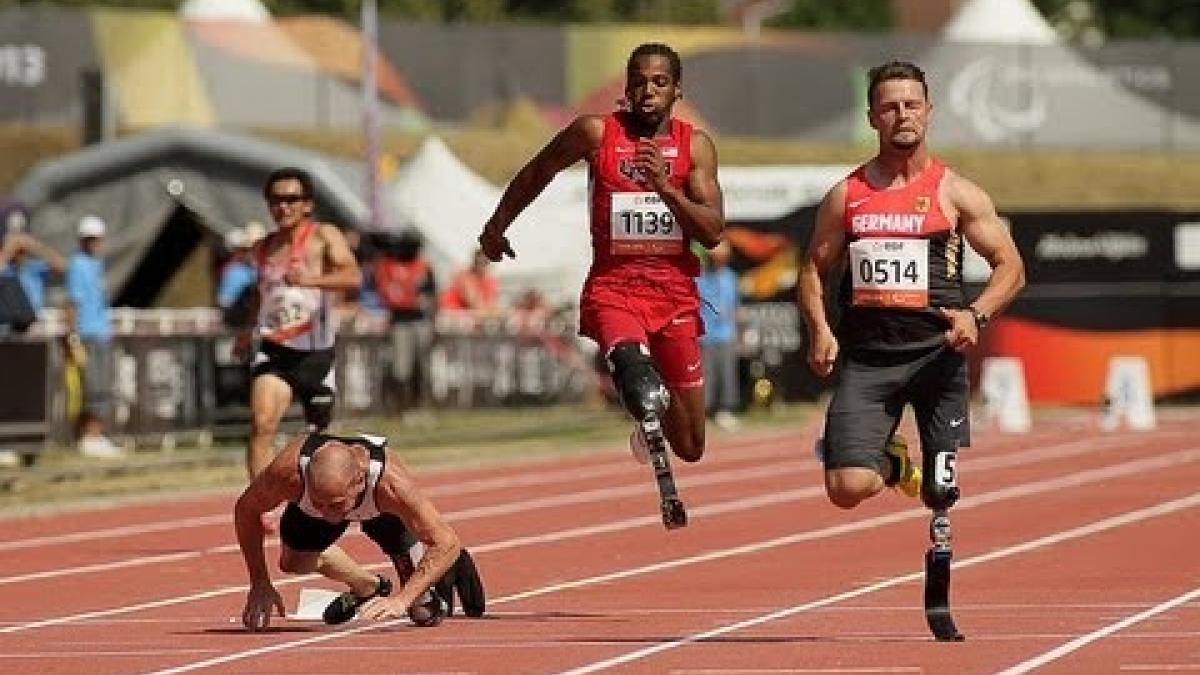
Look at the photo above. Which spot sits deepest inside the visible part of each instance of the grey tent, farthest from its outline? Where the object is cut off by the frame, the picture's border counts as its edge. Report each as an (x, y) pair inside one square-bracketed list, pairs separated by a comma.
[(162, 193)]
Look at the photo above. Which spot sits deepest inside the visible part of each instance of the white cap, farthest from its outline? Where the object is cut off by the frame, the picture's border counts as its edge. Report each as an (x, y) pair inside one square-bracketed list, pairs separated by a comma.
[(91, 226), (237, 238)]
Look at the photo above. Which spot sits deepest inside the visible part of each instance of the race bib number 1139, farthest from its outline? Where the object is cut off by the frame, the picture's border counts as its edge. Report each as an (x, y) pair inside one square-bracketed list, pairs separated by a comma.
[(643, 225)]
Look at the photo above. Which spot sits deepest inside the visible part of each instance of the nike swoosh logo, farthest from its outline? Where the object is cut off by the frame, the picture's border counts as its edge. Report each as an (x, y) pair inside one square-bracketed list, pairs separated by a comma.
[(957, 423), (857, 203), (678, 320), (693, 366)]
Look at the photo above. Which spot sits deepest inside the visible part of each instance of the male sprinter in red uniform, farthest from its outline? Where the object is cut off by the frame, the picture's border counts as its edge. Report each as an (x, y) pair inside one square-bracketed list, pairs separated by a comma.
[(898, 222), (653, 191)]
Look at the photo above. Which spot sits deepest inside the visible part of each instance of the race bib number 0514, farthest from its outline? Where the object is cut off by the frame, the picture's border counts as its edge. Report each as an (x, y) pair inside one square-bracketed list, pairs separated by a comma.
[(890, 273), (643, 225)]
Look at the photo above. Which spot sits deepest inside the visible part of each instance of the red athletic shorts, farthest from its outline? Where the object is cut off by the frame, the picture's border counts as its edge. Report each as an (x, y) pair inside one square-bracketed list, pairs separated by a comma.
[(663, 316)]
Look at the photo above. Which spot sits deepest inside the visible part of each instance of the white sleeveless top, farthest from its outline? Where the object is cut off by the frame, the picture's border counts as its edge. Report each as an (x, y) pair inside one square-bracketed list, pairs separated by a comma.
[(366, 508), (297, 317)]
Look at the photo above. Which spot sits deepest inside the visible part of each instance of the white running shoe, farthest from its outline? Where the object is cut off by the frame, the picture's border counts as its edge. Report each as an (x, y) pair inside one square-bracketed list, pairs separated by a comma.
[(638, 446), (101, 447)]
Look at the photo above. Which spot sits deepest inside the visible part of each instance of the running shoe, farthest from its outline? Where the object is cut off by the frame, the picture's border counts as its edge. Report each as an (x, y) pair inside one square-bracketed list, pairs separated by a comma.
[(345, 606), (909, 482)]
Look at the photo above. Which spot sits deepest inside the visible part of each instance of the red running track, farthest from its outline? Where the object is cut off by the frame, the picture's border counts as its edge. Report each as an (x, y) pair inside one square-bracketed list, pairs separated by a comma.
[(1076, 552)]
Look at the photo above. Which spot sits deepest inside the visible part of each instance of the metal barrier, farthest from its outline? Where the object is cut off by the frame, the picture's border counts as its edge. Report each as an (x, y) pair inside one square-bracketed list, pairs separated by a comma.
[(176, 379)]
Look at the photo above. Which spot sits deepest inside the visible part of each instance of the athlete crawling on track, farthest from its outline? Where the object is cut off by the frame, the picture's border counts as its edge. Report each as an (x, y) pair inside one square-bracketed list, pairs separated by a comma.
[(329, 482)]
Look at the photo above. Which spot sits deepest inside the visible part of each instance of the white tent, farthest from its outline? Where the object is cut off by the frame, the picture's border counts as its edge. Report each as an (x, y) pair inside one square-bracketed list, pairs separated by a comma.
[(252, 11), (999, 21), (999, 75), (1002, 76), (448, 203)]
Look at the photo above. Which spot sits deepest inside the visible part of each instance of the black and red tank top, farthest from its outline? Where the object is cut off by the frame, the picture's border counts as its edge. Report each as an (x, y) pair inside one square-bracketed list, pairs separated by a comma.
[(633, 231), (904, 261)]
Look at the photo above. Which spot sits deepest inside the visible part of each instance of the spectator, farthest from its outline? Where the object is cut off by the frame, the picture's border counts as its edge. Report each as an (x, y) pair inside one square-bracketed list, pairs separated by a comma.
[(719, 344), (364, 251), (29, 260), (90, 337), (531, 311), (474, 289), (236, 288), (406, 286)]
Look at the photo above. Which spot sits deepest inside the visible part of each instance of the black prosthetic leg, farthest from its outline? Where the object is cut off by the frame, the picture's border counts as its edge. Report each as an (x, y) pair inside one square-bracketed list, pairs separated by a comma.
[(646, 398), (939, 491)]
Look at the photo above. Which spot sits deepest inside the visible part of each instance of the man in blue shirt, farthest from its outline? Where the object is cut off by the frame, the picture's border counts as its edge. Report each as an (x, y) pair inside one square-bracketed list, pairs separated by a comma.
[(238, 280), (24, 257), (32, 263), (719, 345), (88, 321)]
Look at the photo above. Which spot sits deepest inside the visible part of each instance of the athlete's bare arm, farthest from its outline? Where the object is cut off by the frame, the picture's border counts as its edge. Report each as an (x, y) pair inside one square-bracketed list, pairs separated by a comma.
[(339, 270), (578, 141), (397, 493), (978, 222), (278, 483), (700, 206), (825, 250)]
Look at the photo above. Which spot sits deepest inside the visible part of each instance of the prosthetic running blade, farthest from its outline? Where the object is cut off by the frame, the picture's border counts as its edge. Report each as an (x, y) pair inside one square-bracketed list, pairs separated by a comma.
[(673, 513), (937, 580)]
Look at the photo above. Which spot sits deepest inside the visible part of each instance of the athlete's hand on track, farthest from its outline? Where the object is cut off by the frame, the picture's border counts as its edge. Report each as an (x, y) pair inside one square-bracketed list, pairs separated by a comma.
[(495, 245), (379, 609), (261, 599), (823, 353), (963, 334)]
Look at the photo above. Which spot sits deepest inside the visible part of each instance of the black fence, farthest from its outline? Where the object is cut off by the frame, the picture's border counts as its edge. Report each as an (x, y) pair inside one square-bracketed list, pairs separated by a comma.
[(171, 385)]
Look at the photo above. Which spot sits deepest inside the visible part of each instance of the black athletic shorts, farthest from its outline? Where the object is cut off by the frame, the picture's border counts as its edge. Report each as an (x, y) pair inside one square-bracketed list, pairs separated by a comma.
[(309, 373), (302, 532), (870, 395)]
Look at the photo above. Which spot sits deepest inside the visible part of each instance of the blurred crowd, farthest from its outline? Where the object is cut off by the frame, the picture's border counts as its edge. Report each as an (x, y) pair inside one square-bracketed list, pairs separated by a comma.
[(400, 288)]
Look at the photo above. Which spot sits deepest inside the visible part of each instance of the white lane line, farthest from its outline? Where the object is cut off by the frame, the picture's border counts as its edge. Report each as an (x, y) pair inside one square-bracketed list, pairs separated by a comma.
[(794, 671), (1059, 451), (1084, 640), (1042, 542), (870, 523), (1104, 473), (736, 455), (125, 530), (551, 476), (641, 487), (104, 652), (466, 487), (549, 537), (118, 564), (615, 492)]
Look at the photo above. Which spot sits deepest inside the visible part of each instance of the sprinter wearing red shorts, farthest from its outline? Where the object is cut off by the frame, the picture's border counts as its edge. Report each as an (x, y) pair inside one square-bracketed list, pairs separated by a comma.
[(654, 191)]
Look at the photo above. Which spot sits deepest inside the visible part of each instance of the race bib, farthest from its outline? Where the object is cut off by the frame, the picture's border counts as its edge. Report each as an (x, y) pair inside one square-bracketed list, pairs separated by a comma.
[(290, 307), (890, 273), (643, 225)]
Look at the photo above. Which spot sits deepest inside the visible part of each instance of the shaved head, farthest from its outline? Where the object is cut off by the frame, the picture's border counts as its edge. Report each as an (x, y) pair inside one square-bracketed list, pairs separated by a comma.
[(336, 474)]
